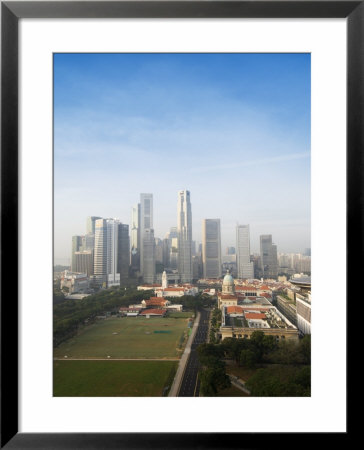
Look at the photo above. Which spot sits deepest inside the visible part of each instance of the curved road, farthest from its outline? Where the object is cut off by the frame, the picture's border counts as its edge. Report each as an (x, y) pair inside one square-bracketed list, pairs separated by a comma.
[(190, 386)]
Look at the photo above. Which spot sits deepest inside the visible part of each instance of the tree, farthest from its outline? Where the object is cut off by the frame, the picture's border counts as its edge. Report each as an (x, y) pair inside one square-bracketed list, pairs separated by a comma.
[(212, 379), (248, 358)]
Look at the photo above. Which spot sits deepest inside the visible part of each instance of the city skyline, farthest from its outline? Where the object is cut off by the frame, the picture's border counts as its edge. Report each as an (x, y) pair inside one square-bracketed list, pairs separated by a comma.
[(234, 130)]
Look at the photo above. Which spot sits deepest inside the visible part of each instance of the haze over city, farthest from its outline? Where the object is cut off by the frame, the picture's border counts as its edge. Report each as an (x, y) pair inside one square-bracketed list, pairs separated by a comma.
[(233, 129)]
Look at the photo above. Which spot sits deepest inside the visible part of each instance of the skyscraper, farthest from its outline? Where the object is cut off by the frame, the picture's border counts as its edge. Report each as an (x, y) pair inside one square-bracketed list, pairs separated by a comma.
[(148, 252), (245, 267), (100, 252), (268, 256), (111, 255), (147, 243), (172, 238), (135, 238), (77, 243), (84, 262), (211, 248), (90, 224), (113, 276), (123, 251), (184, 231)]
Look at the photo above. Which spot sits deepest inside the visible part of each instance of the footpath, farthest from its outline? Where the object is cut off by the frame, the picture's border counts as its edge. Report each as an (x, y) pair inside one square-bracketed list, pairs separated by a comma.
[(239, 383), (184, 358)]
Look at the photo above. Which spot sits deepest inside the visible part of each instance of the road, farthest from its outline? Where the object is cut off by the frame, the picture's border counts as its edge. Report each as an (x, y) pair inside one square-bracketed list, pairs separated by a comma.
[(190, 386)]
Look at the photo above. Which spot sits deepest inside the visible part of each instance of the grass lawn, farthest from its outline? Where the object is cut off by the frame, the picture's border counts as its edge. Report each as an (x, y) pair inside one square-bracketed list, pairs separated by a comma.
[(127, 337), (112, 378)]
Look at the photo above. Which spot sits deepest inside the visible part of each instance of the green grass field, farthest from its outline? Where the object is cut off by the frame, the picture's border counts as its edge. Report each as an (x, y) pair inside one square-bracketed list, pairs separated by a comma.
[(112, 378), (127, 337)]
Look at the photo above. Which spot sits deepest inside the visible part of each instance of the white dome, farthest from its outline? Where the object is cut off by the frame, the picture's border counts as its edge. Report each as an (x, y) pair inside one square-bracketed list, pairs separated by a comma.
[(228, 280)]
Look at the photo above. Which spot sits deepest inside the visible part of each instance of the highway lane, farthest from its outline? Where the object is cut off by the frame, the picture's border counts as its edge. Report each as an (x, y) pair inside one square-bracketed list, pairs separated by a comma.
[(190, 386)]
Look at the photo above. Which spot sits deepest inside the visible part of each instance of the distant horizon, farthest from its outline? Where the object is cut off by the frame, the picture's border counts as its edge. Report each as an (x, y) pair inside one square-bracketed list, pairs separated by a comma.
[(233, 129)]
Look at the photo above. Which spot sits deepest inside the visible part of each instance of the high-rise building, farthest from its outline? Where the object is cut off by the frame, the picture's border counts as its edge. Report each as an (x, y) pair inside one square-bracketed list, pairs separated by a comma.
[(135, 238), (211, 248), (147, 243), (113, 275), (245, 268), (89, 242), (172, 238), (90, 224), (230, 250), (77, 245), (148, 252), (165, 252), (111, 255), (268, 257), (184, 231), (158, 250), (100, 252), (84, 262), (123, 251)]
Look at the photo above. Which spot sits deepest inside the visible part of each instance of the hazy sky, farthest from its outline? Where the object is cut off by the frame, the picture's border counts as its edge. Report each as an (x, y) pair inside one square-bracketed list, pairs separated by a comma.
[(233, 129)]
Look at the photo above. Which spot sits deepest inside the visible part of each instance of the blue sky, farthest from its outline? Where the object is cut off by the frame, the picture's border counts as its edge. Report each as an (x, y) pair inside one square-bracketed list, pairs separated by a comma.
[(234, 129)]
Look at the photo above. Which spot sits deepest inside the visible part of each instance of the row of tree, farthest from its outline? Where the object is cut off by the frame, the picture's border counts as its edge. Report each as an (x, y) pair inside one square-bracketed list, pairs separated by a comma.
[(212, 374), (69, 315)]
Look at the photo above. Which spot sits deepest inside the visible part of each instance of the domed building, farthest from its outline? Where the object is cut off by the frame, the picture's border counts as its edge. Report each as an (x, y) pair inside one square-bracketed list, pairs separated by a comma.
[(227, 295), (228, 286)]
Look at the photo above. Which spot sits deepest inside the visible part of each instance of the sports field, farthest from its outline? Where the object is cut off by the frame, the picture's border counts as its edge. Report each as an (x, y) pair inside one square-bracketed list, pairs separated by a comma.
[(112, 378), (128, 337)]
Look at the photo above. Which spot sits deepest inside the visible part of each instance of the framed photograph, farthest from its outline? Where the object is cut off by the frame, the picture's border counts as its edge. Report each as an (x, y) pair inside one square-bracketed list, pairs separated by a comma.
[(251, 112)]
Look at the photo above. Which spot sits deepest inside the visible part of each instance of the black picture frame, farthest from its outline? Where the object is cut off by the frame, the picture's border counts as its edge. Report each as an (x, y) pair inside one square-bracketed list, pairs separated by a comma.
[(11, 12)]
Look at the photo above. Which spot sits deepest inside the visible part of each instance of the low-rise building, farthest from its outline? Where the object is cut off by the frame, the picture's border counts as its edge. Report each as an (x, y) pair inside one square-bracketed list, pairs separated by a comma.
[(75, 282), (155, 301)]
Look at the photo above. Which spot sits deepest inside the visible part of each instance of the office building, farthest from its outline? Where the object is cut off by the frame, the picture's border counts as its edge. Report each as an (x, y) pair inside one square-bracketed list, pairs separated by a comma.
[(135, 239), (268, 257), (148, 252), (184, 231), (245, 268), (147, 243), (211, 248), (100, 252), (90, 224), (84, 262), (77, 245), (123, 251)]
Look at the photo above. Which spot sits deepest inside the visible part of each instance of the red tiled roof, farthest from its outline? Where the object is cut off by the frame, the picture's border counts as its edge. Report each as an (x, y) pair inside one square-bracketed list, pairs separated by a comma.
[(228, 296), (255, 316), (158, 312), (264, 288), (255, 308), (156, 301), (245, 288), (234, 309)]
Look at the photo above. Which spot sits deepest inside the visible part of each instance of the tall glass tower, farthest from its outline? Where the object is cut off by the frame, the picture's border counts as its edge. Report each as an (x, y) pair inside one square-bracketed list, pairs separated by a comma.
[(268, 256), (184, 232), (245, 268), (147, 243), (211, 248)]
